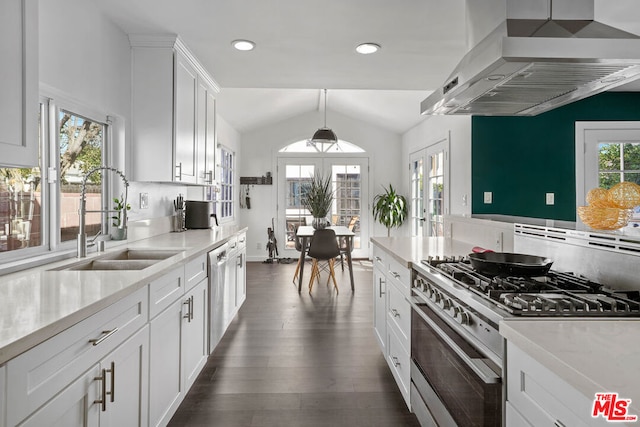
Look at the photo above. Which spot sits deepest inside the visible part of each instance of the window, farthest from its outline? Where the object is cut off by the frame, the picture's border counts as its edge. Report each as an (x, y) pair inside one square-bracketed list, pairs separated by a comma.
[(227, 172), (39, 211), (606, 153), (306, 146)]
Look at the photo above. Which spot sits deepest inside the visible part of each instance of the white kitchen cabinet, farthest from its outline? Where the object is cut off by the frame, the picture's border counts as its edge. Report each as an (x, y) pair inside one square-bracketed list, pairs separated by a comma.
[(173, 109), (3, 395), (166, 388), (19, 83), (538, 397), (241, 267), (47, 370), (111, 393), (392, 315), (178, 339), (195, 331), (380, 308), (206, 133)]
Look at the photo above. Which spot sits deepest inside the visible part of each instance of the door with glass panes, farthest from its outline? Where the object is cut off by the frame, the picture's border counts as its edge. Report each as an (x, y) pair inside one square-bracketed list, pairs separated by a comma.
[(429, 186), (349, 179)]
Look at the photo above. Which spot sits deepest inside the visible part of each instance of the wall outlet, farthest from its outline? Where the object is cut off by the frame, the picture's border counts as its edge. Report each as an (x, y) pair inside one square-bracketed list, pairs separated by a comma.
[(550, 198), (144, 200), (488, 197)]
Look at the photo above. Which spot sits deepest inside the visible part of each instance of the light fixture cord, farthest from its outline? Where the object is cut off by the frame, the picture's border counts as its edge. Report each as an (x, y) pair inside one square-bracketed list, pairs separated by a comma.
[(325, 108)]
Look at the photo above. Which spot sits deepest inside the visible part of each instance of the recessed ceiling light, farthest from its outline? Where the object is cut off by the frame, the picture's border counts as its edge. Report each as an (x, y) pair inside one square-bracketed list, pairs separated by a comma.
[(243, 44), (367, 48)]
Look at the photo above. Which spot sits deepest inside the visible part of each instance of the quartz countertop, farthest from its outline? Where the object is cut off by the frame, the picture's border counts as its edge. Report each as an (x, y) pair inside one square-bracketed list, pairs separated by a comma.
[(592, 356), (37, 303), (410, 250)]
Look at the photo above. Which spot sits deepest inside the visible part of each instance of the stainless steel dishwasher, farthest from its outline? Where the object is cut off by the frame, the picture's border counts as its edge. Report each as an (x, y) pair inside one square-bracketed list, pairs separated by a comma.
[(217, 276)]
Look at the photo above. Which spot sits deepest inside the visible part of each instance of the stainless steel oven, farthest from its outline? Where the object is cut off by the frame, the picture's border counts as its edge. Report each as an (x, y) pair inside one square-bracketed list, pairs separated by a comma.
[(453, 384)]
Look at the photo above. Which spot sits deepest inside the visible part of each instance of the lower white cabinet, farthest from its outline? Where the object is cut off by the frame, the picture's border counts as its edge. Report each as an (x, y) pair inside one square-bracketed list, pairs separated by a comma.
[(538, 397), (111, 393), (392, 316), (178, 352), (380, 309), (195, 332), (3, 396)]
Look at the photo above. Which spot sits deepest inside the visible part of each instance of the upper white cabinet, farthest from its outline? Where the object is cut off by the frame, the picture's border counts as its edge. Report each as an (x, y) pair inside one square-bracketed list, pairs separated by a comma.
[(173, 113), (19, 83)]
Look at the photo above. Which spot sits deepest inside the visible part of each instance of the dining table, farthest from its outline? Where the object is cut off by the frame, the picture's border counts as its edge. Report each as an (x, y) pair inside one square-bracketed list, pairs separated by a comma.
[(305, 233)]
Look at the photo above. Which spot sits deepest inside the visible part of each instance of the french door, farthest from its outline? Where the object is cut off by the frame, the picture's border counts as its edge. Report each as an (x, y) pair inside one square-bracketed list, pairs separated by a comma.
[(350, 183), (429, 188)]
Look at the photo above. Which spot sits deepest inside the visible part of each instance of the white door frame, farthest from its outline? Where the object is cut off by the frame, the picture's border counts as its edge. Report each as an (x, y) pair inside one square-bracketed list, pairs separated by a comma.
[(324, 162), (441, 143)]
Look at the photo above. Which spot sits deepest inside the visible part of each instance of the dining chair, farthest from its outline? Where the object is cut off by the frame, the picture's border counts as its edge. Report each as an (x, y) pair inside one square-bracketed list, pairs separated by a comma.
[(298, 245), (323, 247)]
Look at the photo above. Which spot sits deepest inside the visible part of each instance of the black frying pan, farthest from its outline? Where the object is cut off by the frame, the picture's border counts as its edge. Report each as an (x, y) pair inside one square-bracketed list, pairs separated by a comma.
[(508, 264)]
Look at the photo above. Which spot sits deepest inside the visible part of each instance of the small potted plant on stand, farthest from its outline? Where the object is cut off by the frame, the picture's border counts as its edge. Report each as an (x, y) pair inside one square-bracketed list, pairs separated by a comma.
[(120, 219), (390, 209), (317, 197)]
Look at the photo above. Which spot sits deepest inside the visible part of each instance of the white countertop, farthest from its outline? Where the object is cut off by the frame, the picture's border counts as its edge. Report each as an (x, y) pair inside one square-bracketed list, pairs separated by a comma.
[(410, 250), (36, 304), (591, 355)]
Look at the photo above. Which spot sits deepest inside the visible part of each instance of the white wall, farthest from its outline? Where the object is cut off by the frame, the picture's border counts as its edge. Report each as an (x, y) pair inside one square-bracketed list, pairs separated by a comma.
[(259, 155), (430, 131), (87, 58)]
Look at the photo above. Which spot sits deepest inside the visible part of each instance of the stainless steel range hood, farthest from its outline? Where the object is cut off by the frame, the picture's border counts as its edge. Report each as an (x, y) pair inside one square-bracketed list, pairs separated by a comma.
[(547, 53)]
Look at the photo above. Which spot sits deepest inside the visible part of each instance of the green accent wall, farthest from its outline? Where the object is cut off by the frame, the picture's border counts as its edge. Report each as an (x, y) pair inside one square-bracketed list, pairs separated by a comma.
[(519, 159)]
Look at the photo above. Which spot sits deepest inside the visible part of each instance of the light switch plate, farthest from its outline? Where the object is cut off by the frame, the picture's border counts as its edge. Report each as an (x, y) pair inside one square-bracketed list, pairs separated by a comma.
[(550, 198), (488, 197), (144, 200)]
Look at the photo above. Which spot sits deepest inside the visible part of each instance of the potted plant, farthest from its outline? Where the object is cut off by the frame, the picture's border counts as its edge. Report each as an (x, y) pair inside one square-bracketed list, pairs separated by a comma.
[(317, 197), (390, 209), (119, 221)]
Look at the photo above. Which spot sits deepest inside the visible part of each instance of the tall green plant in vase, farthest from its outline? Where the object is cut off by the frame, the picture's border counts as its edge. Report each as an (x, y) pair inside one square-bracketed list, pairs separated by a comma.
[(390, 209), (317, 197)]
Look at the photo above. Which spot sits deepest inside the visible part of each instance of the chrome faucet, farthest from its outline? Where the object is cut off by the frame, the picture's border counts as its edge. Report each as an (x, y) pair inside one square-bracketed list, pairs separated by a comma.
[(82, 235)]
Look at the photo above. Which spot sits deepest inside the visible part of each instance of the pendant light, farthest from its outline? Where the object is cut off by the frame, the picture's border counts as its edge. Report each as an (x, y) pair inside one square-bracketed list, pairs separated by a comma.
[(324, 134)]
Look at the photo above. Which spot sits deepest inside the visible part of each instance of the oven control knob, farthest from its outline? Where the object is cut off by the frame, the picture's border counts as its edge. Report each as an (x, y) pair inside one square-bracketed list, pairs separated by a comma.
[(462, 316), (436, 297), (444, 303)]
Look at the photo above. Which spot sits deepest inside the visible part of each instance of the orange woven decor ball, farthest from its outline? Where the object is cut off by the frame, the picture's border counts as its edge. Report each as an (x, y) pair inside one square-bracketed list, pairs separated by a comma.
[(599, 197), (604, 218), (625, 195)]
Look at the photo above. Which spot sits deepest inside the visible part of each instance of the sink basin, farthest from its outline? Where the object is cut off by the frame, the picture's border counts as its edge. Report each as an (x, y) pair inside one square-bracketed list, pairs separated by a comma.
[(113, 264), (127, 259), (141, 254)]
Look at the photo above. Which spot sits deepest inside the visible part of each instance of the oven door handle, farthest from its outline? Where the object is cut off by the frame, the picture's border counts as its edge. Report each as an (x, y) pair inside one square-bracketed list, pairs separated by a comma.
[(478, 366)]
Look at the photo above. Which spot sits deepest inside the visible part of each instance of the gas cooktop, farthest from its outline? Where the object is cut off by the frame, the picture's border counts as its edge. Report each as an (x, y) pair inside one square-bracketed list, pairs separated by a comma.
[(554, 294)]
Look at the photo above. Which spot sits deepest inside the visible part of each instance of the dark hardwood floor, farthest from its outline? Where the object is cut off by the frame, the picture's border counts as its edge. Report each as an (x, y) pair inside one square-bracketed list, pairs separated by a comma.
[(292, 359)]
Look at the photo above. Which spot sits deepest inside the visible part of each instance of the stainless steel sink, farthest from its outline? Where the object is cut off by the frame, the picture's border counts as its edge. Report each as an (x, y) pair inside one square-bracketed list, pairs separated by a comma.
[(112, 264), (127, 259)]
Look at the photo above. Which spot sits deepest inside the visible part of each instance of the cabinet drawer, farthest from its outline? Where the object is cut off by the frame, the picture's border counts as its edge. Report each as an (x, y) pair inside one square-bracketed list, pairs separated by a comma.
[(380, 259), (514, 418), (39, 374), (195, 270), (399, 362), (400, 275), (541, 397), (165, 290), (242, 240), (399, 316), (233, 243)]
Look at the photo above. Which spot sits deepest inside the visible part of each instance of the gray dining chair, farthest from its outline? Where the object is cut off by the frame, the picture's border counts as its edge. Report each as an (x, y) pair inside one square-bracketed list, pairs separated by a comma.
[(323, 247)]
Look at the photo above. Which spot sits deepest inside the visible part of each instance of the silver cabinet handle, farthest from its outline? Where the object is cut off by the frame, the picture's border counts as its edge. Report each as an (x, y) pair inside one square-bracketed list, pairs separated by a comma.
[(105, 335), (378, 259), (210, 175), (394, 312), (394, 274), (105, 393), (189, 314), (559, 423), (179, 173), (395, 361), (381, 281)]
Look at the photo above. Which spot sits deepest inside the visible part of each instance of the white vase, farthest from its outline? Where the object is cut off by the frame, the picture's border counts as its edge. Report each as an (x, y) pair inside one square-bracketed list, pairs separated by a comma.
[(119, 233), (319, 223)]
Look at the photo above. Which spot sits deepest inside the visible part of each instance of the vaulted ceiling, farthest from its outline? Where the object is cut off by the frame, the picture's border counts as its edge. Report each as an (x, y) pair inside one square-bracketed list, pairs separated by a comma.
[(303, 46)]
